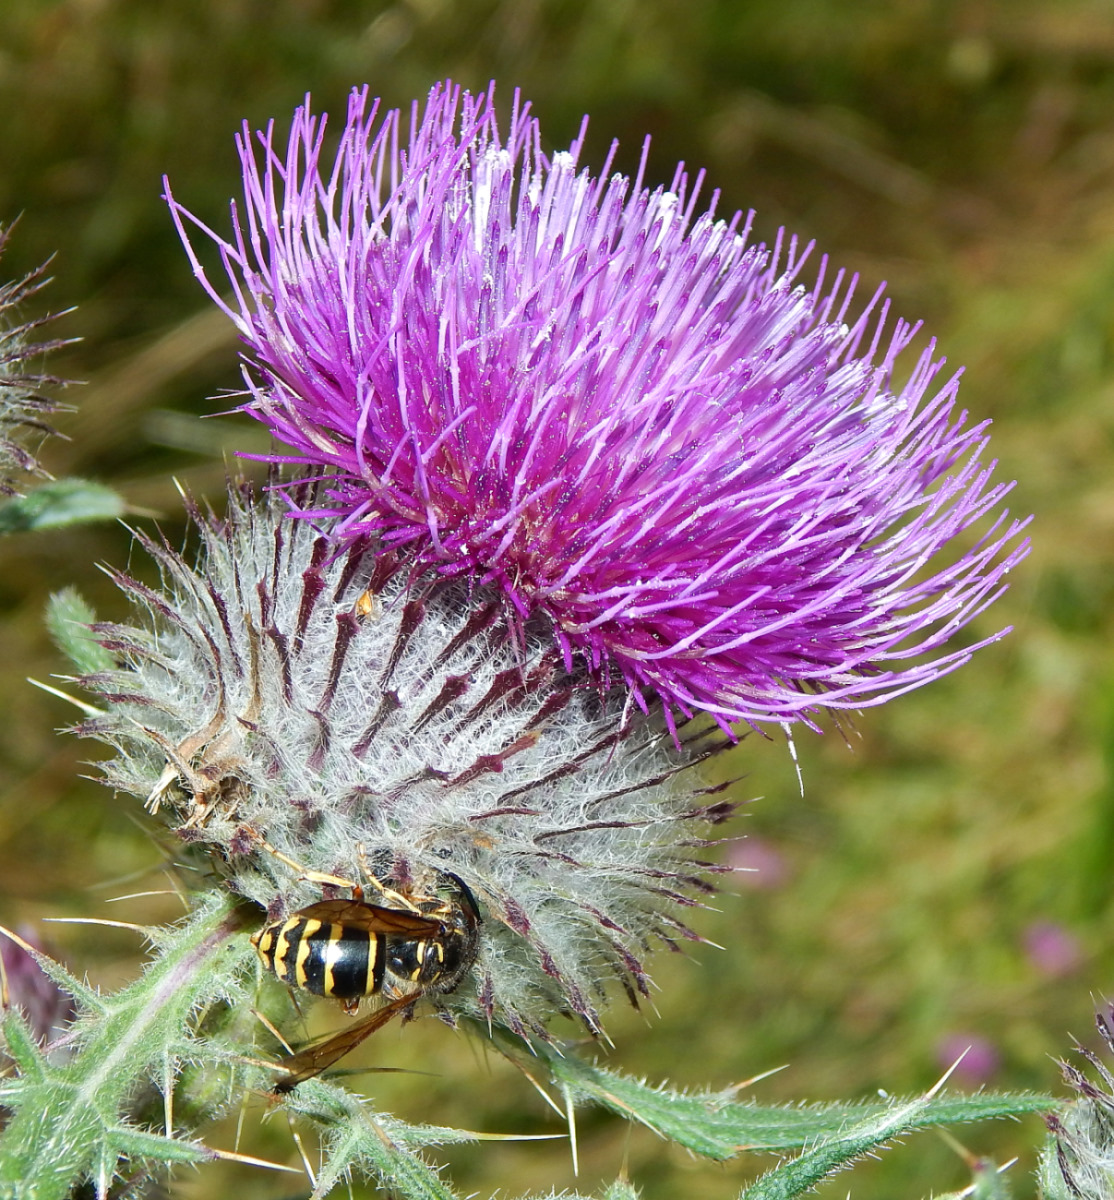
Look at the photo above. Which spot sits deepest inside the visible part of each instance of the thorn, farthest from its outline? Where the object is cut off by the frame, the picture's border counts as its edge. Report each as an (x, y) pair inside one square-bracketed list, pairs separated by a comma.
[(145, 930), (273, 1031), (178, 889), (232, 1156), (240, 1118), (793, 754), (570, 1116), (14, 937), (540, 1090), (167, 1096), (258, 1062), (953, 1143), (932, 1091), (738, 1087), (90, 710), (138, 895), (301, 1151), (512, 1137)]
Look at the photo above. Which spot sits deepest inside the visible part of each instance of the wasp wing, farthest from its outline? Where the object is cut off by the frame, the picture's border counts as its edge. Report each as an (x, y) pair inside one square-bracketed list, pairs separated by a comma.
[(315, 1059), (372, 918)]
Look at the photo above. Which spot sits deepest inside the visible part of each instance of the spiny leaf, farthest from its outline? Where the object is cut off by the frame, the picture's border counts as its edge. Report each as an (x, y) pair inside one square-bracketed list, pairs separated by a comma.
[(21, 1047), (66, 1119), (619, 1190), (717, 1125), (68, 617), (357, 1140), (86, 998), (60, 503), (835, 1152), (138, 1143)]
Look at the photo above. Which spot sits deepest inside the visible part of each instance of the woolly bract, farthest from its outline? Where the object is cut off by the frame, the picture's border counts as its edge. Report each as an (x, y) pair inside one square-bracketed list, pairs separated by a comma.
[(22, 407), (284, 705), (604, 403)]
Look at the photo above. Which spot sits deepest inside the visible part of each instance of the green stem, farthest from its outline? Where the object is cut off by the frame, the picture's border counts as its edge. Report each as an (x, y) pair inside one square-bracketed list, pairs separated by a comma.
[(67, 1122)]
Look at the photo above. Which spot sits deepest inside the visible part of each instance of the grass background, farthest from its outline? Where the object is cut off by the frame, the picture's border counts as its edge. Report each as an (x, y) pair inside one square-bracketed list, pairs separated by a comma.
[(964, 152)]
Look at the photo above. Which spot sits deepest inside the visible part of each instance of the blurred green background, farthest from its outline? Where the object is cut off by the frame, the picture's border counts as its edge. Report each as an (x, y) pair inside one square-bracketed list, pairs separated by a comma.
[(945, 879)]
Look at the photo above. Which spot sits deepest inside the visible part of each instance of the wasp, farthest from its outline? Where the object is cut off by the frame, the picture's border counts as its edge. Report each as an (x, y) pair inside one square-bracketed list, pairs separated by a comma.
[(348, 949)]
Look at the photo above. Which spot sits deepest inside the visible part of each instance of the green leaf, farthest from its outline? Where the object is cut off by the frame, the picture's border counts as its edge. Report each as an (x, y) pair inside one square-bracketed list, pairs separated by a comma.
[(1052, 1183), (68, 1121), (835, 1152), (832, 1154), (60, 503), (354, 1138), (21, 1047), (86, 998), (68, 618), (138, 1143), (718, 1126)]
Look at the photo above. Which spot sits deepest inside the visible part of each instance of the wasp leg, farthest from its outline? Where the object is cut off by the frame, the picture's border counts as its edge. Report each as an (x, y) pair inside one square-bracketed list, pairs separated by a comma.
[(304, 872), (400, 900)]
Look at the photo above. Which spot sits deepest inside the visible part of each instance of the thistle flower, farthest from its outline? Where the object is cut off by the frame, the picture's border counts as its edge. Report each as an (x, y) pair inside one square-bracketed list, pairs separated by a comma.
[(605, 405), (21, 407), (289, 705)]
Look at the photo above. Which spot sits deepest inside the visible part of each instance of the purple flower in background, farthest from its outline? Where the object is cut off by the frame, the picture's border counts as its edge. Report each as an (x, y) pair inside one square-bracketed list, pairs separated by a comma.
[(977, 1057), (1051, 949), (599, 399), (757, 865)]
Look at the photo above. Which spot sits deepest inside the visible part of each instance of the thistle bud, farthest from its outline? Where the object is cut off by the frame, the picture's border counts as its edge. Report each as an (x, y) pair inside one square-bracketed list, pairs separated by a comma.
[(22, 407), (302, 710), (1082, 1156)]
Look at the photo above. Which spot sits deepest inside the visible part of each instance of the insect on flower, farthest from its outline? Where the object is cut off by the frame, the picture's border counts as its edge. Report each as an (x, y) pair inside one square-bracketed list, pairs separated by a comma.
[(349, 949)]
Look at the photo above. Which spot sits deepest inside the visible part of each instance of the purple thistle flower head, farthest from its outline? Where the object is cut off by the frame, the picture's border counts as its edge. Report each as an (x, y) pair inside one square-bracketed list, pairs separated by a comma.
[(601, 400)]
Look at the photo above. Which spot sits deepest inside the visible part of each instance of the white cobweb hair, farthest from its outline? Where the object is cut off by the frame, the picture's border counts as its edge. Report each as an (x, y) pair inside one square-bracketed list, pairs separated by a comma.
[(282, 690)]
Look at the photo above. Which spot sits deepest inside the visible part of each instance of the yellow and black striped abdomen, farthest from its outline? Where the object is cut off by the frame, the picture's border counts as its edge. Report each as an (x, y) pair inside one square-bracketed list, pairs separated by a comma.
[(327, 959)]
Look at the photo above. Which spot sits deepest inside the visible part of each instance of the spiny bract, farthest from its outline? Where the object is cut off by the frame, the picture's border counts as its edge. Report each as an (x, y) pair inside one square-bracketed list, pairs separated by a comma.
[(279, 692), (22, 407)]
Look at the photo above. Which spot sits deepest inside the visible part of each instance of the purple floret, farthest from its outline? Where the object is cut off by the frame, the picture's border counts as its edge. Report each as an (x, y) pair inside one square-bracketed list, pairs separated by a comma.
[(602, 400)]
